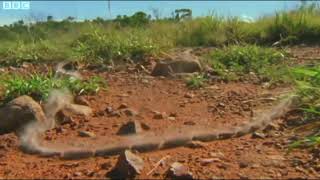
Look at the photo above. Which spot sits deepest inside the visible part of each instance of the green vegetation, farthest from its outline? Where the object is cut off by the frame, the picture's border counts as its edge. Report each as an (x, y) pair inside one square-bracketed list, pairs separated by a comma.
[(139, 35), (233, 61), (196, 81), (38, 86), (308, 89), (105, 47)]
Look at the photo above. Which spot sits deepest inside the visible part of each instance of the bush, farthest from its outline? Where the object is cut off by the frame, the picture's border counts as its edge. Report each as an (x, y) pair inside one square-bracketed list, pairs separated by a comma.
[(103, 48), (31, 52), (38, 86), (196, 81), (234, 61)]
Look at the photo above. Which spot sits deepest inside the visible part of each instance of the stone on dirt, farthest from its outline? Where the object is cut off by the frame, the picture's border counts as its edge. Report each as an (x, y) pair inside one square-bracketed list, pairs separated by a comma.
[(129, 165), (207, 161), (179, 171), (132, 127), (130, 112), (78, 109), (159, 115), (64, 118), (81, 100), (256, 135), (109, 109), (86, 134), (189, 95), (123, 106), (196, 144)]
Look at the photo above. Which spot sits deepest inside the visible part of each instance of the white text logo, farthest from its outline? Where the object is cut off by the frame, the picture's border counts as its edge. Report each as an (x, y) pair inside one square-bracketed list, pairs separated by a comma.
[(16, 5)]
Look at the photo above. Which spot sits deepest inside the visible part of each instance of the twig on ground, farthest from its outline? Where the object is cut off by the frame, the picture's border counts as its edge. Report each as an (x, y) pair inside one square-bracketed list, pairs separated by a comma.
[(158, 164)]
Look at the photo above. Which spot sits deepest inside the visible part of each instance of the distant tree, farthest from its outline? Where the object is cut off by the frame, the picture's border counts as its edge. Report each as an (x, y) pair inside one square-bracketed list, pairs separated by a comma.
[(49, 18), (70, 18), (137, 19), (181, 14), (98, 20)]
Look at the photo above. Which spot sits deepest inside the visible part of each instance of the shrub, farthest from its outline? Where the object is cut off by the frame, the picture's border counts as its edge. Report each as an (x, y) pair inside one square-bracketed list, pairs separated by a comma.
[(233, 61), (38, 86), (31, 52), (103, 48), (196, 81)]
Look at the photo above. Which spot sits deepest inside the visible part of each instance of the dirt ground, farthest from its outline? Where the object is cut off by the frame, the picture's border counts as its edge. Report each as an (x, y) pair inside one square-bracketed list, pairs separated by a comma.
[(218, 105)]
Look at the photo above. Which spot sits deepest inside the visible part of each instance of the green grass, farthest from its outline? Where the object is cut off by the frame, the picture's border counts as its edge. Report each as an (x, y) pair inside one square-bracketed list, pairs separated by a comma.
[(196, 81), (232, 62), (106, 47), (308, 89), (135, 36), (38, 86)]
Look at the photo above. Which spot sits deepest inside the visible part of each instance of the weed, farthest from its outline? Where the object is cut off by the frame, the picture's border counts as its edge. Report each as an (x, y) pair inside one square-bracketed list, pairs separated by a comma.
[(196, 81), (234, 61), (38, 86), (103, 48), (308, 89)]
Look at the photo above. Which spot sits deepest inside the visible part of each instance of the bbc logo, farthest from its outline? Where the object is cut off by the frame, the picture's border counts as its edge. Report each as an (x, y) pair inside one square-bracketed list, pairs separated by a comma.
[(16, 5)]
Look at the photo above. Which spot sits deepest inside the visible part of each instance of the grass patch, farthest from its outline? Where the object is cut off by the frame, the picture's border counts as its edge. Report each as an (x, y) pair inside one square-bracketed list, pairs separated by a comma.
[(38, 86), (308, 89), (107, 47), (196, 81), (233, 62), (135, 36)]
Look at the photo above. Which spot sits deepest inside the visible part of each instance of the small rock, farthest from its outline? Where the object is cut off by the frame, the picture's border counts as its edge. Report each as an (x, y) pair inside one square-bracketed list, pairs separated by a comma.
[(25, 64), (109, 109), (123, 95), (243, 164), (242, 176), (123, 106), (271, 126), (221, 105), (207, 161), (81, 100), (105, 165), (99, 113), (171, 118), (222, 166), (130, 112), (132, 127), (256, 135), (115, 114), (128, 166), (64, 118), (216, 154), (190, 123), (86, 134), (266, 85), (159, 115), (90, 173), (145, 81), (178, 170), (213, 87), (196, 144), (71, 165), (77, 174), (189, 95), (173, 114)]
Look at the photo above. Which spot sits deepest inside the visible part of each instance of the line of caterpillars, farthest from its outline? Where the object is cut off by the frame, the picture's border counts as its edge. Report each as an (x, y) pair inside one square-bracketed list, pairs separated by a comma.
[(169, 140)]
